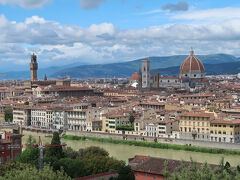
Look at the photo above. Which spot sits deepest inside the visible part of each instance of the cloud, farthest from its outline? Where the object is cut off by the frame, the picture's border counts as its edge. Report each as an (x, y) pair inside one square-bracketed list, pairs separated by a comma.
[(211, 14), (28, 4), (60, 44), (90, 4), (180, 6)]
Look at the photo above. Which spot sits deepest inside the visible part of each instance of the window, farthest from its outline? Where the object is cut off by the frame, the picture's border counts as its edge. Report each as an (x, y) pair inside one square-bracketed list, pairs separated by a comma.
[(202, 123), (190, 130)]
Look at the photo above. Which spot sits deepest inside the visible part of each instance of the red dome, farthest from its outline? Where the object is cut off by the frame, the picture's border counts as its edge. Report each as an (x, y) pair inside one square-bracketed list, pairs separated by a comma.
[(135, 77), (192, 63)]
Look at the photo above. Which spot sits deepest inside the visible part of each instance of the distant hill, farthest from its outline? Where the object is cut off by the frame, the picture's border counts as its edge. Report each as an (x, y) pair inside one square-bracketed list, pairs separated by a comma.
[(168, 65), (210, 69), (126, 69)]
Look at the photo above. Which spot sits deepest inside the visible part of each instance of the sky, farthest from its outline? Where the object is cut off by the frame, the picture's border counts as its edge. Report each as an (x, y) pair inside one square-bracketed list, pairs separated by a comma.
[(65, 32)]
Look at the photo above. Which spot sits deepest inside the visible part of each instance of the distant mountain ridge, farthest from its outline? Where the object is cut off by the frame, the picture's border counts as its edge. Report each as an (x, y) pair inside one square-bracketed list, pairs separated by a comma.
[(168, 64), (126, 69), (210, 69)]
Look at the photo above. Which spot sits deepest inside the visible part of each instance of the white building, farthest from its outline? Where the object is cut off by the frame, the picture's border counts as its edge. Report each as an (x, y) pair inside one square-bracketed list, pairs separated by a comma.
[(76, 118)]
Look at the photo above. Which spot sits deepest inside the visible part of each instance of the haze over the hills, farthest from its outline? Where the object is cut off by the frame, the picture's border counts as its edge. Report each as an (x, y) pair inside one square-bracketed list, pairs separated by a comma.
[(168, 65)]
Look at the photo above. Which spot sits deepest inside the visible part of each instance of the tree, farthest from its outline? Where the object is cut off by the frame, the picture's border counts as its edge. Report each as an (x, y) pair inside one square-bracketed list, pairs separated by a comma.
[(73, 167), (30, 155), (26, 103), (70, 153), (8, 115), (125, 173), (30, 173), (30, 141), (55, 151), (131, 119), (93, 151)]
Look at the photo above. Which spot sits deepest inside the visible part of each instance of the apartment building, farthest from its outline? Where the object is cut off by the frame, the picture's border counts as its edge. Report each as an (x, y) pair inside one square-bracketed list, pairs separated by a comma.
[(22, 115), (41, 117), (76, 117), (195, 125), (114, 119), (225, 130)]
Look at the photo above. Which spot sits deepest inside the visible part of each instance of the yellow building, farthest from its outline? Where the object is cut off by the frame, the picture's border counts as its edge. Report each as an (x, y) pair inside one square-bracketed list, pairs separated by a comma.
[(225, 130), (194, 125)]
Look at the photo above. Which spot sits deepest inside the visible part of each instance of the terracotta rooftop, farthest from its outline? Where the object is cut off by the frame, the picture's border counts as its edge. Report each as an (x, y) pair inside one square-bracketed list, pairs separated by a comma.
[(155, 165)]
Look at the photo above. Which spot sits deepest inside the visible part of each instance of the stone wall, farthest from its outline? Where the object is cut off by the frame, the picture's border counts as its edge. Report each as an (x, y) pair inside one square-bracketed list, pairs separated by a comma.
[(210, 144), (231, 146)]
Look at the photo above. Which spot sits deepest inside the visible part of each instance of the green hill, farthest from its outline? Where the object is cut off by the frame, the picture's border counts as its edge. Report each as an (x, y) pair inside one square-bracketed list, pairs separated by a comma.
[(126, 69)]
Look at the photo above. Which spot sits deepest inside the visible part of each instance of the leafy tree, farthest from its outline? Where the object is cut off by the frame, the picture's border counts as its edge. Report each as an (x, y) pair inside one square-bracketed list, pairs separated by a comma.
[(26, 103), (100, 164), (32, 173), (73, 167), (131, 119), (125, 173), (211, 108), (30, 155), (13, 165), (8, 115), (93, 151), (70, 153)]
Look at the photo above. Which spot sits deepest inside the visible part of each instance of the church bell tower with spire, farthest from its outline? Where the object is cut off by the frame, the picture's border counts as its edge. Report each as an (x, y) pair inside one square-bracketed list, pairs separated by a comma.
[(34, 67)]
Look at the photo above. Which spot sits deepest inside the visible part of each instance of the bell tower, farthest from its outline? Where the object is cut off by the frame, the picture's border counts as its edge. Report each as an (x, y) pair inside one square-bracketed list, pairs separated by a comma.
[(33, 67)]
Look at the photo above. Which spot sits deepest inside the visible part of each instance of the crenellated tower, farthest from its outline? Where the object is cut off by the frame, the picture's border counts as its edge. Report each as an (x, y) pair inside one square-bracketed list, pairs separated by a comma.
[(34, 67)]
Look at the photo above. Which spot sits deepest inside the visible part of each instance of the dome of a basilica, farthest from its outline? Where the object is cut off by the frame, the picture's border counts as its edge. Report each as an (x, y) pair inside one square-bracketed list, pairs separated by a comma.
[(192, 67)]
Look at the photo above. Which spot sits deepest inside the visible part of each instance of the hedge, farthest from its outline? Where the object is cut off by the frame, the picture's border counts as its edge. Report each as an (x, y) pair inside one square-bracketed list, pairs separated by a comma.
[(156, 145)]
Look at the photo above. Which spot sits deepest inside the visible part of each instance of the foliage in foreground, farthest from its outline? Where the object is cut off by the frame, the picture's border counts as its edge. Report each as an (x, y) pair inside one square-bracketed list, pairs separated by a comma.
[(20, 171), (156, 145), (84, 162)]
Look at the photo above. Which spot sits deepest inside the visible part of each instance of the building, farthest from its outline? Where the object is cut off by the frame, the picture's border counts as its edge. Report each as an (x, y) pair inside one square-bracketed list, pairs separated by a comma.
[(22, 115), (151, 168), (59, 119), (34, 67), (225, 130), (114, 119), (195, 125), (10, 146), (146, 74), (40, 117), (76, 118), (192, 71)]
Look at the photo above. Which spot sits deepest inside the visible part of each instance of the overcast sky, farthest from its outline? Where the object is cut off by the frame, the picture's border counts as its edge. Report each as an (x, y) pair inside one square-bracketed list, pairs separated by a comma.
[(102, 31)]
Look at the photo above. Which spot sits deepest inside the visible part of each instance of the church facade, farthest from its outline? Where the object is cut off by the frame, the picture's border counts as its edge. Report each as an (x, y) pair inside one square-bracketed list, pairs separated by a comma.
[(191, 75)]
